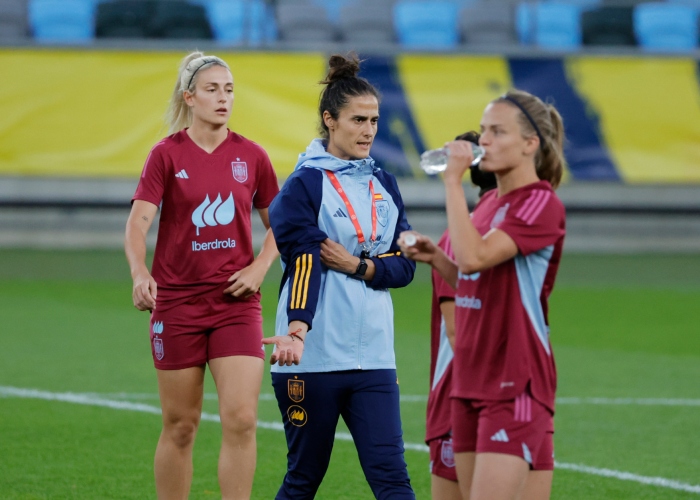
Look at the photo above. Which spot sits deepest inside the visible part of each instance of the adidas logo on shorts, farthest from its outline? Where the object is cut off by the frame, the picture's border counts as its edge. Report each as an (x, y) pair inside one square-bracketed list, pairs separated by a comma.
[(500, 436)]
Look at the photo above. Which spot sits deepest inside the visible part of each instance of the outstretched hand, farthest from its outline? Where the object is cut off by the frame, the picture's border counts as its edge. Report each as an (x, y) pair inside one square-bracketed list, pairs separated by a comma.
[(423, 250), (288, 348)]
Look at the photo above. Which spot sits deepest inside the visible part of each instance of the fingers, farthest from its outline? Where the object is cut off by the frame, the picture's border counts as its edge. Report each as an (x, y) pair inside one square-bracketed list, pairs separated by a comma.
[(283, 355), (235, 288), (143, 297)]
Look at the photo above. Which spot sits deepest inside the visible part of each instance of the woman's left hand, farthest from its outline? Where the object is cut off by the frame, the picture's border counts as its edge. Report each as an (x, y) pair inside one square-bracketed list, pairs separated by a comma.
[(247, 281), (335, 256), (458, 160)]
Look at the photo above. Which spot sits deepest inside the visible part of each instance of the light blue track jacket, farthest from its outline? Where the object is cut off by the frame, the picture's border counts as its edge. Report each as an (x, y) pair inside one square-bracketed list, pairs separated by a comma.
[(351, 321)]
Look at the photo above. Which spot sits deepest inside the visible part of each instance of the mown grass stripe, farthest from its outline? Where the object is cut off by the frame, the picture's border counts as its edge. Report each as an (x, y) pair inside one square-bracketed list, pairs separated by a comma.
[(88, 399)]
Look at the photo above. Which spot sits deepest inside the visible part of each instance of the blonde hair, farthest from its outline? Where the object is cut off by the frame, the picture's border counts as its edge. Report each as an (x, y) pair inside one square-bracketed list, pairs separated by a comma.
[(543, 120), (179, 114)]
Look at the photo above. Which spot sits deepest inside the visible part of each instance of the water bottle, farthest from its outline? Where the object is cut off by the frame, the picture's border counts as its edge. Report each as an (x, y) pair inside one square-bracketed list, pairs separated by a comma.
[(435, 160)]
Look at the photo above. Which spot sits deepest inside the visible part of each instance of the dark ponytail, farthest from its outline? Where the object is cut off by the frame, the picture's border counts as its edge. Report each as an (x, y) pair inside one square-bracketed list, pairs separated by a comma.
[(342, 83), (543, 120)]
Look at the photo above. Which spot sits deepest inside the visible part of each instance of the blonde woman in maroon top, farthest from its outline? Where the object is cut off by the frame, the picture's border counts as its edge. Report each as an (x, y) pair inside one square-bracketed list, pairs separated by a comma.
[(202, 290), (507, 253)]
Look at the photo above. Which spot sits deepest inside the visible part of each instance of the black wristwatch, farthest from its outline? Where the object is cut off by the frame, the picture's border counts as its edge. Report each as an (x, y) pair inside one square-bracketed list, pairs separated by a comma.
[(361, 269)]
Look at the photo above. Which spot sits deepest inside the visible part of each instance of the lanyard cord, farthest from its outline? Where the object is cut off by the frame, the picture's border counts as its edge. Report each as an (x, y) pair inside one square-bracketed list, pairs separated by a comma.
[(351, 211)]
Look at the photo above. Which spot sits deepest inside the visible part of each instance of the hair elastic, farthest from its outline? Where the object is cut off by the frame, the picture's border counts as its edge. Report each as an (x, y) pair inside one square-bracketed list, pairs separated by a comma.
[(527, 115), (207, 60)]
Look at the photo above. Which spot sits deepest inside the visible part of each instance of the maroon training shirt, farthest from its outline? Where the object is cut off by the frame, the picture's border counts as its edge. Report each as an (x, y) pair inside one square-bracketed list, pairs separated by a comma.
[(204, 234), (501, 313)]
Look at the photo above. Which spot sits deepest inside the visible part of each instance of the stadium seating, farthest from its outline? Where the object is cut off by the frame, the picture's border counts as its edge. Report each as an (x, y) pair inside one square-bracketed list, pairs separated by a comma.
[(13, 19), (62, 21), (427, 24), (488, 22), (665, 27), (227, 19), (333, 8), (557, 26), (124, 19), (608, 25), (179, 19), (304, 21), (262, 27), (367, 21)]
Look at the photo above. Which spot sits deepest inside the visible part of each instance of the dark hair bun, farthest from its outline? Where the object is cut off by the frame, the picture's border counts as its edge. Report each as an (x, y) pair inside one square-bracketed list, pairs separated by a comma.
[(342, 67)]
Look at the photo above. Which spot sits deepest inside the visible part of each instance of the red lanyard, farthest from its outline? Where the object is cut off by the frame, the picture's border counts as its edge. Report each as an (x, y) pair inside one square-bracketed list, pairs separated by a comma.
[(351, 211)]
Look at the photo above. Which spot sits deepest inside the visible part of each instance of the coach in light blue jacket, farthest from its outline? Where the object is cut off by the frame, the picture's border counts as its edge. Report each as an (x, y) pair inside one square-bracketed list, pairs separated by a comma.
[(336, 222)]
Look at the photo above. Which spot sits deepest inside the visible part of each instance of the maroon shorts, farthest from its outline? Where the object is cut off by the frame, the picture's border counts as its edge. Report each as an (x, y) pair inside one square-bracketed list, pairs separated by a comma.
[(205, 328), (522, 427), (442, 458)]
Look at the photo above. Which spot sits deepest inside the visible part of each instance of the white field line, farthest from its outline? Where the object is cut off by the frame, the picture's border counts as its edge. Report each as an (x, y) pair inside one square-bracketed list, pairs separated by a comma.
[(416, 398), (87, 399)]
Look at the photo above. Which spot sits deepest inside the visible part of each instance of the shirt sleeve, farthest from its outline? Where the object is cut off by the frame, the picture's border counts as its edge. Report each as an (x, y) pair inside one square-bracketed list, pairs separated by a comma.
[(294, 222), (536, 221), (152, 182), (268, 186), (392, 269)]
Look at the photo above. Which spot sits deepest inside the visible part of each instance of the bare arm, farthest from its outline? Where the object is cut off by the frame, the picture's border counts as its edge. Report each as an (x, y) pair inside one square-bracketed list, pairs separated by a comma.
[(336, 257), (247, 281), (144, 289), (472, 251), (447, 308)]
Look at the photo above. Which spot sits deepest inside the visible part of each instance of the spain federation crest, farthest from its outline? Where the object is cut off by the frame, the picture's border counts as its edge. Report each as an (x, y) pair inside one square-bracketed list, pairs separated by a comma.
[(295, 389), (447, 455), (297, 416), (158, 348), (240, 170), (382, 212)]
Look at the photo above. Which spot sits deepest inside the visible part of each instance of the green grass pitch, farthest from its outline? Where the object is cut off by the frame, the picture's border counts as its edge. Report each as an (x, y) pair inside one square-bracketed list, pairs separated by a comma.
[(625, 334)]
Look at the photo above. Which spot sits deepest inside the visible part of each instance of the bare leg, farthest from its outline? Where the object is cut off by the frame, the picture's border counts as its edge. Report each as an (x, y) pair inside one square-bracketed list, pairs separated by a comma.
[(181, 394), (498, 476), (538, 485), (464, 462), (238, 380), (444, 489)]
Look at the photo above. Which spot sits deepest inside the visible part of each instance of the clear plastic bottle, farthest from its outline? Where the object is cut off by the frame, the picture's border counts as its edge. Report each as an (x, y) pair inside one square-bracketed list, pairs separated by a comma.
[(434, 161)]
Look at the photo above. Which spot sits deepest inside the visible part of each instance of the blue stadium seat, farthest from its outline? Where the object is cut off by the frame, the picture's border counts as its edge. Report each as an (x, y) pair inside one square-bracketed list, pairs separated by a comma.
[(227, 19), (333, 8), (666, 27), (525, 23), (427, 24), (240, 22), (62, 21), (691, 3), (261, 22), (557, 26), (526, 17)]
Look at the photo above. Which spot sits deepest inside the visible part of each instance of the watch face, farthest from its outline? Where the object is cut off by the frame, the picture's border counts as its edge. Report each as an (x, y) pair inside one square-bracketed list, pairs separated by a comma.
[(361, 268)]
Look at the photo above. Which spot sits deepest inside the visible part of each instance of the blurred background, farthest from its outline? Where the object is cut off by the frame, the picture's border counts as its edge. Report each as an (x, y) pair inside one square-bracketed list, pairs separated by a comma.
[(85, 84)]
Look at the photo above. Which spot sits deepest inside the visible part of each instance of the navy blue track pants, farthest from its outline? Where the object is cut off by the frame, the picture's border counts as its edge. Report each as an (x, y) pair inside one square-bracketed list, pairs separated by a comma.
[(368, 401)]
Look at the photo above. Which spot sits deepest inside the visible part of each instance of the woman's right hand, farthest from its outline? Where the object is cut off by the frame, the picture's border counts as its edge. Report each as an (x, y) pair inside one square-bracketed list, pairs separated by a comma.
[(458, 161), (144, 292), (288, 348), (423, 250)]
